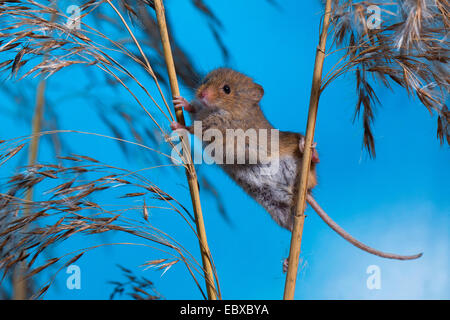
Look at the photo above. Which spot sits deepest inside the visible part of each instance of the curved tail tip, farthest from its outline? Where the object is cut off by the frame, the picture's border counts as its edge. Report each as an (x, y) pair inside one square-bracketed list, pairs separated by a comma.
[(416, 256)]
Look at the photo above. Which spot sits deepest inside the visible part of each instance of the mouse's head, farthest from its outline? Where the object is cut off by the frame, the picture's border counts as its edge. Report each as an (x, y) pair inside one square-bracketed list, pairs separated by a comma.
[(229, 90)]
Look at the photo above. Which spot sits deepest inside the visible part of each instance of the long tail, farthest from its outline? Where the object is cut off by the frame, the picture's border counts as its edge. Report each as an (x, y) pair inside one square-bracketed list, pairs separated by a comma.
[(333, 225)]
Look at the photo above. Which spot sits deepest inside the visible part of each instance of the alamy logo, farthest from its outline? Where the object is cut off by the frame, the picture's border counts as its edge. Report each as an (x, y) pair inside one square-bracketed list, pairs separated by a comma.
[(74, 280), (374, 280), (236, 146), (74, 19), (374, 20)]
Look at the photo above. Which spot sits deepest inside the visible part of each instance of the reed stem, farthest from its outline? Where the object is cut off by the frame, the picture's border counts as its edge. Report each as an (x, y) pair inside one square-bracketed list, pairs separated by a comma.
[(296, 239), (190, 170), (19, 283)]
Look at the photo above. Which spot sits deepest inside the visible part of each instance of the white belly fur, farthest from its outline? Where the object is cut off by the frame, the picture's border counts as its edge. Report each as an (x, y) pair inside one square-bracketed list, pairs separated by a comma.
[(275, 192)]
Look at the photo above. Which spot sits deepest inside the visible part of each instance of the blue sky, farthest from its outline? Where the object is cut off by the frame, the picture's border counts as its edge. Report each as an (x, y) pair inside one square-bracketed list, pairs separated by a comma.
[(397, 203)]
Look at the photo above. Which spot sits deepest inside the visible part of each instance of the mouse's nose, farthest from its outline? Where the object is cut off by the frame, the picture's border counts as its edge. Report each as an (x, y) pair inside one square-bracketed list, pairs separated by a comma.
[(204, 94)]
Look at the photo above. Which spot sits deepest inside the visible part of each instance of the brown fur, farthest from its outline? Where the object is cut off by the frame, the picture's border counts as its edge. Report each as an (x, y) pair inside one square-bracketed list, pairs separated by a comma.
[(243, 110)]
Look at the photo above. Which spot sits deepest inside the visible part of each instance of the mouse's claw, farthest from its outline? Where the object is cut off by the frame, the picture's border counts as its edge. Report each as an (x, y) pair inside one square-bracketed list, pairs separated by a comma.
[(180, 102), (314, 155), (176, 125), (285, 265)]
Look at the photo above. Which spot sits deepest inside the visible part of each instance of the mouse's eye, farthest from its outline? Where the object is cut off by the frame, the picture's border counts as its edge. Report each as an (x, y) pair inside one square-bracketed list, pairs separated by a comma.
[(226, 88)]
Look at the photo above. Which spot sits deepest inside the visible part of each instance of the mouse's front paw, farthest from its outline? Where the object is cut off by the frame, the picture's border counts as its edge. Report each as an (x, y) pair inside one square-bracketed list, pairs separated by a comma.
[(180, 102), (314, 155)]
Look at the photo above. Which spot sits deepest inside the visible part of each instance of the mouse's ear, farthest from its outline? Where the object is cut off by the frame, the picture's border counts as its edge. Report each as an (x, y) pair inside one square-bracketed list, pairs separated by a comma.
[(257, 92)]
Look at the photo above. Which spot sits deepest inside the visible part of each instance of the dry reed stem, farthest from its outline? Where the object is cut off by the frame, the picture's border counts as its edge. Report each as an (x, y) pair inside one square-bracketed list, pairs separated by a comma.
[(20, 284), (296, 239), (190, 171)]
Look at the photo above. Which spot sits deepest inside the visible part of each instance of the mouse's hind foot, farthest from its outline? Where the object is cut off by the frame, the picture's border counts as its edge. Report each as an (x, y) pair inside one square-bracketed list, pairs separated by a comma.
[(314, 155)]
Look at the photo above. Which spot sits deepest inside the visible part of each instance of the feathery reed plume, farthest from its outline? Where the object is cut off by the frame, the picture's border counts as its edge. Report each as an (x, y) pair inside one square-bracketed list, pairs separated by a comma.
[(68, 210), (409, 47), (27, 27), (95, 14)]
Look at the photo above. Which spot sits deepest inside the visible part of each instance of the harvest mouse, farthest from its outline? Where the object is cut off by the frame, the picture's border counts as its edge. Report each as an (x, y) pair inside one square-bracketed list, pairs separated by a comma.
[(227, 99)]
